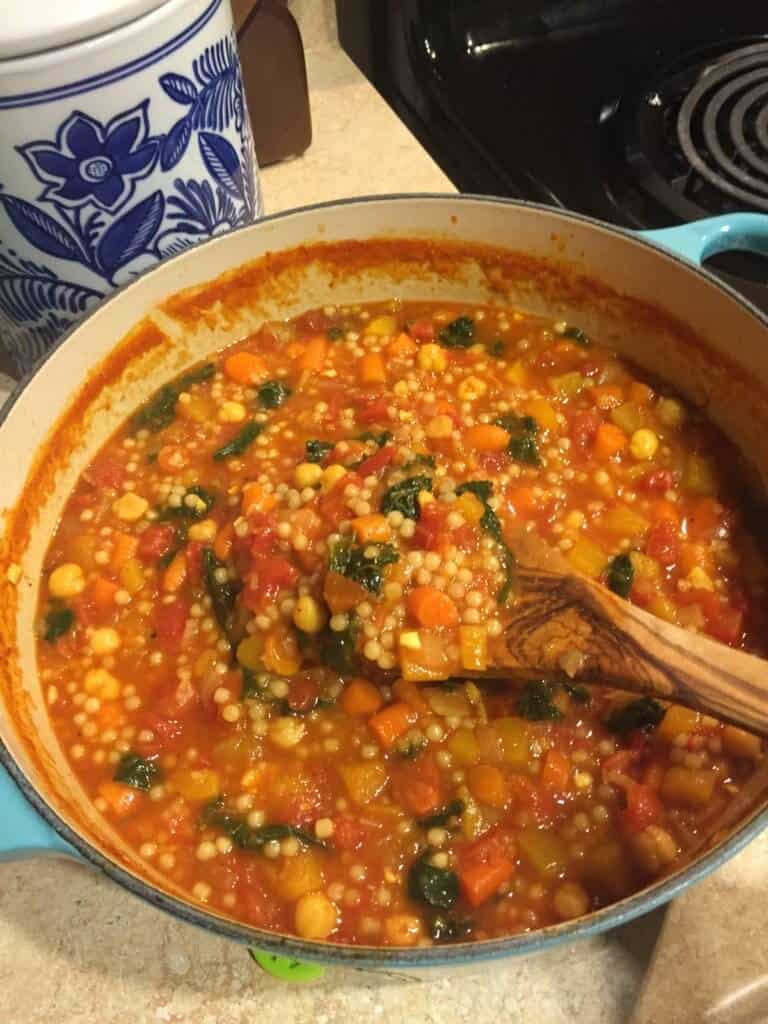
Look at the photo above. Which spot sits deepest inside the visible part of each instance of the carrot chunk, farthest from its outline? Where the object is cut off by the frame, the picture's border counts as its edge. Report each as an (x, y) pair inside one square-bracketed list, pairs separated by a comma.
[(556, 771), (121, 800), (314, 354), (361, 698), (124, 549), (432, 608), (389, 724), (245, 368), (486, 437), (402, 346), (372, 370), (609, 440)]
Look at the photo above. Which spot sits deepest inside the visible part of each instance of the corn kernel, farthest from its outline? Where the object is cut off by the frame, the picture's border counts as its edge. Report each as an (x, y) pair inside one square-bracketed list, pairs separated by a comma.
[(699, 579), (308, 474), (670, 412), (205, 530), (104, 640), (331, 476), (471, 389), (433, 358), (315, 916), (308, 615), (66, 580), (13, 573), (644, 444), (424, 498), (231, 412), (129, 507), (102, 684), (410, 640), (470, 507), (439, 426), (287, 732)]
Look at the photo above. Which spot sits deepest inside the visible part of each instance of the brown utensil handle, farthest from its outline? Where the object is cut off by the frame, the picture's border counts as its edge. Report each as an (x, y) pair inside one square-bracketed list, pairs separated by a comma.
[(623, 645)]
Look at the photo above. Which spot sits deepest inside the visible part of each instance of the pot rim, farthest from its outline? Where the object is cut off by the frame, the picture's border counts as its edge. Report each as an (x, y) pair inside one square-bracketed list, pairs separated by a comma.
[(384, 957)]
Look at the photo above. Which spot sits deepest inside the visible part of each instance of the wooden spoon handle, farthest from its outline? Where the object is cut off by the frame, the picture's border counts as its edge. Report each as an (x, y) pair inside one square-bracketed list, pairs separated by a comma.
[(620, 644)]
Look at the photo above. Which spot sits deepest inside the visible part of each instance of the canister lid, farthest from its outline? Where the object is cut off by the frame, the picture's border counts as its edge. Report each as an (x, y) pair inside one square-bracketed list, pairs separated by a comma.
[(33, 26)]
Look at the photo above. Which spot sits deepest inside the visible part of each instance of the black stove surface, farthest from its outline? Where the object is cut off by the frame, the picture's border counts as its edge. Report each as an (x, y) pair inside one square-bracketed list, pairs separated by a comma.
[(644, 113)]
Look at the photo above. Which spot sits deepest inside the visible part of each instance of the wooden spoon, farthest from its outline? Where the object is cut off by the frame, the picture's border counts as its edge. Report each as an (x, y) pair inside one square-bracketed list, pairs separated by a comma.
[(565, 624)]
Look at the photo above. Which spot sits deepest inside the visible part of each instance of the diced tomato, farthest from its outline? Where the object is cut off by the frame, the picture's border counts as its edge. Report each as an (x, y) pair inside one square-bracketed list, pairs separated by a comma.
[(662, 542), (86, 612), (531, 797), (485, 865), (418, 785), (269, 575), (376, 462), (422, 330), (643, 808), (583, 428), (333, 505), (428, 527), (170, 620), (177, 698), (657, 481), (254, 900), (303, 692), (157, 540), (464, 537), (166, 730), (194, 555), (722, 621), (177, 819), (373, 410), (706, 520), (105, 474), (261, 536), (620, 762), (353, 833), (313, 322)]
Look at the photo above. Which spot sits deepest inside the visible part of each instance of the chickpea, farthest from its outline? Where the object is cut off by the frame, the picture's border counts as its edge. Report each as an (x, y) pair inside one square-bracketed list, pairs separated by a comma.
[(66, 580), (403, 929), (571, 900)]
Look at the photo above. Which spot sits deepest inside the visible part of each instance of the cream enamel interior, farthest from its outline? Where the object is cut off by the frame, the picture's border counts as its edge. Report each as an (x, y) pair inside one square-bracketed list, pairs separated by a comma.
[(734, 391)]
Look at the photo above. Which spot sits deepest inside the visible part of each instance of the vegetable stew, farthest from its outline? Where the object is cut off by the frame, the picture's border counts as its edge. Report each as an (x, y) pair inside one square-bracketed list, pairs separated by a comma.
[(264, 594)]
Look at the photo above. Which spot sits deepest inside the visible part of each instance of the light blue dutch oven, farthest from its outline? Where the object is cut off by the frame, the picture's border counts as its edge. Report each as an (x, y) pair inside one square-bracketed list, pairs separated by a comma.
[(645, 295)]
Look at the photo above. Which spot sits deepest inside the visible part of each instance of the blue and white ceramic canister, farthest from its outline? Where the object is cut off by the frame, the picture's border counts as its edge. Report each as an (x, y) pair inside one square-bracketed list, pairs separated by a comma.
[(124, 138)]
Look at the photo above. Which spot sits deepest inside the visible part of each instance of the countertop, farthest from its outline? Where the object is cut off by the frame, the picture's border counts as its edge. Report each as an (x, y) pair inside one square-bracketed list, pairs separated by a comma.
[(76, 949)]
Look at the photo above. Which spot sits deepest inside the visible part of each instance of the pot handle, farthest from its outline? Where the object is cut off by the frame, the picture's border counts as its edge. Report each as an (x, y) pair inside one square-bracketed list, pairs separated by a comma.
[(701, 239), (23, 833)]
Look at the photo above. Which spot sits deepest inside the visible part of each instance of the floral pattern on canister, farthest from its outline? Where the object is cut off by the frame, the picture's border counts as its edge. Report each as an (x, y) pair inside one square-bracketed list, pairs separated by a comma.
[(90, 211)]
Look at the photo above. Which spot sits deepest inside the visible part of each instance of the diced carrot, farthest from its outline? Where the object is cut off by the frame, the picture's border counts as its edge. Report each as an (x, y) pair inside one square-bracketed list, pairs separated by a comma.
[(488, 785), (402, 346), (256, 499), (175, 574), (486, 437), (121, 800), (341, 593), (372, 370), (110, 715), (417, 785), (171, 458), (245, 368), (543, 412), (102, 591), (523, 499), (692, 556), (482, 870), (409, 692), (607, 396), (222, 545), (391, 722), (314, 354), (360, 697), (609, 440), (125, 548), (664, 510), (432, 608), (281, 652), (565, 348), (556, 771), (639, 393), (372, 529)]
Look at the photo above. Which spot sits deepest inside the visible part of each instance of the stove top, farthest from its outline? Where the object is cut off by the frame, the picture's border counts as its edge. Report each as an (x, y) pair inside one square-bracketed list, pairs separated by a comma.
[(644, 113)]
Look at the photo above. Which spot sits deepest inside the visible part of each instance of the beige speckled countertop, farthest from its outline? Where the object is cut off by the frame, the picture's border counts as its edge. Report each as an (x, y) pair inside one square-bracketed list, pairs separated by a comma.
[(76, 949)]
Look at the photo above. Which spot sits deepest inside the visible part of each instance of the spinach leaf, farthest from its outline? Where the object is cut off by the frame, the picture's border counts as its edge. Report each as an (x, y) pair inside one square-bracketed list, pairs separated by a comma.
[(196, 376), (491, 524), (522, 440), (354, 562), (439, 887), (221, 592), (409, 748), (273, 393), (460, 333), (403, 497), (578, 335), (580, 694), (58, 621), (249, 838), (334, 333), (496, 348), (251, 686), (240, 442), (159, 411), (620, 575), (452, 810), (443, 928), (338, 648), (420, 459), (139, 772), (316, 451), (196, 504), (644, 714), (381, 439), (535, 702)]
